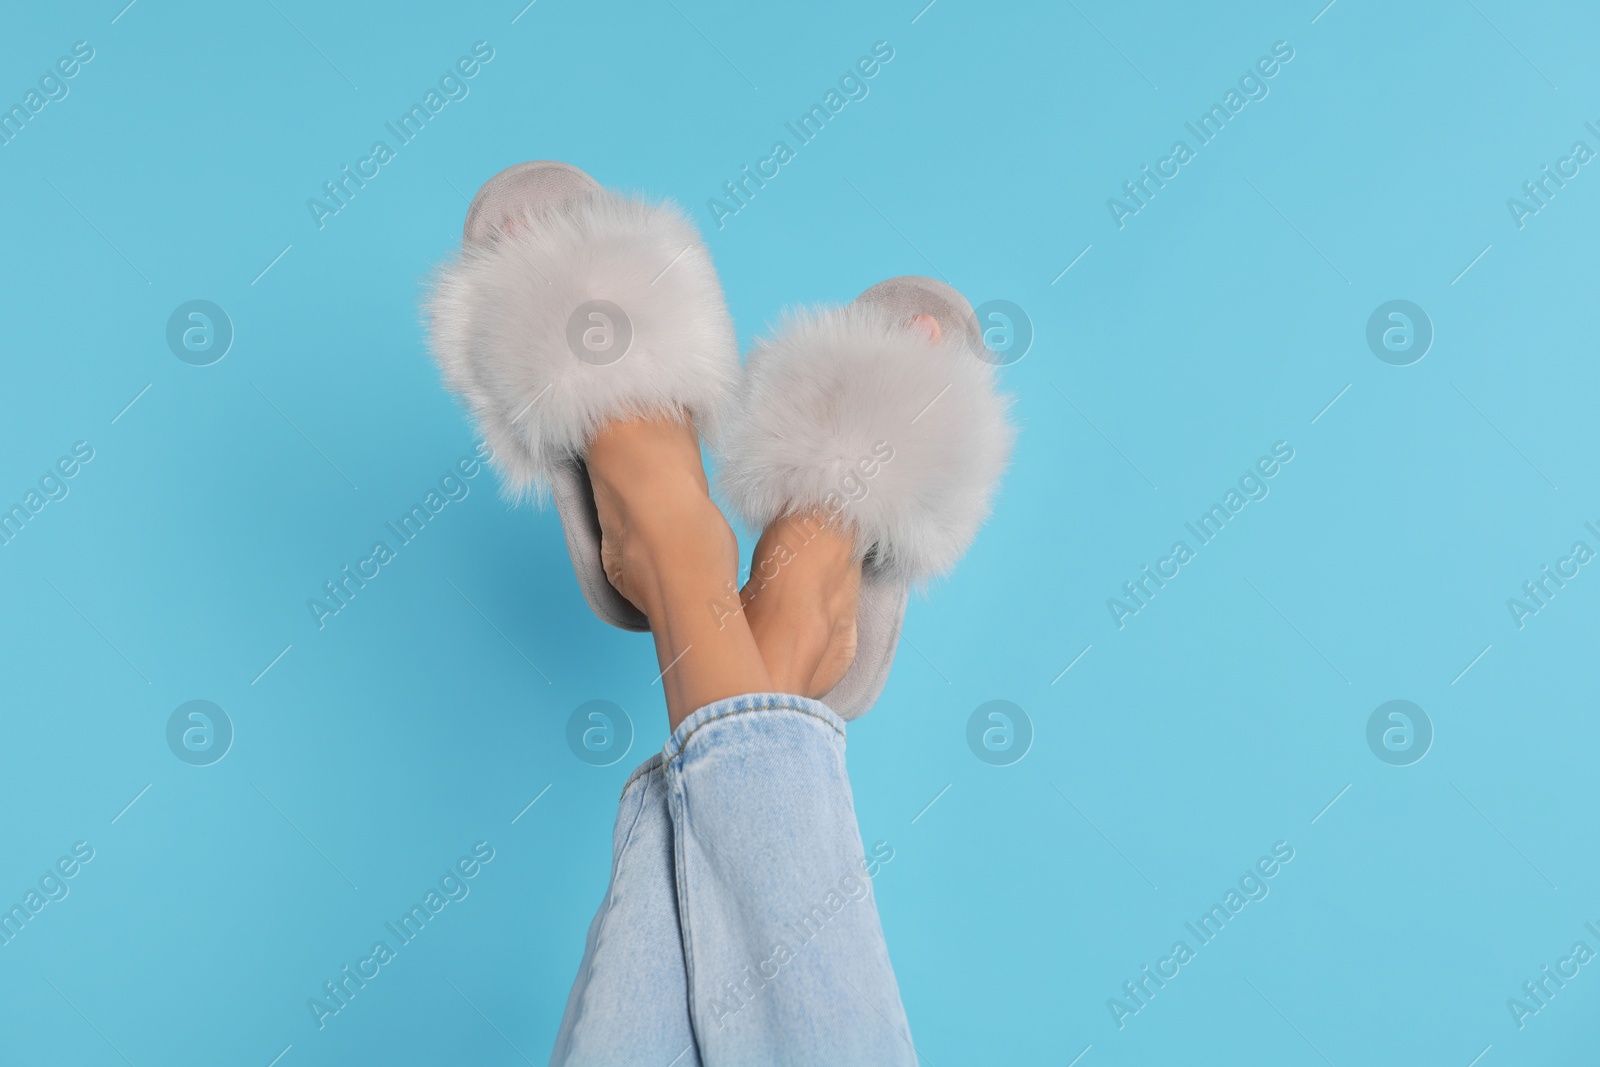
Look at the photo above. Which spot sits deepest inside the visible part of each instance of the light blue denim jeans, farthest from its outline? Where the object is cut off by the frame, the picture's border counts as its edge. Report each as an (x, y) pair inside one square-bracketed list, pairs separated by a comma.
[(740, 928)]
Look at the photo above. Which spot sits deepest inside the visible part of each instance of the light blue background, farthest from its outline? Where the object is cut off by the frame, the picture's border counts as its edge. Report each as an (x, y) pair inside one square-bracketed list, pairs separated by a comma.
[(1223, 718)]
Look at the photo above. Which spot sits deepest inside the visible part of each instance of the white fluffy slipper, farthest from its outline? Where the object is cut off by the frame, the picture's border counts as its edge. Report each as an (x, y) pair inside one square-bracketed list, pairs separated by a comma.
[(854, 412), (571, 306)]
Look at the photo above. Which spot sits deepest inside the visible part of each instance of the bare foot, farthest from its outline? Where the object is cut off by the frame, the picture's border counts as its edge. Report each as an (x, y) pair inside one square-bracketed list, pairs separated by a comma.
[(801, 603), (651, 497), (666, 547)]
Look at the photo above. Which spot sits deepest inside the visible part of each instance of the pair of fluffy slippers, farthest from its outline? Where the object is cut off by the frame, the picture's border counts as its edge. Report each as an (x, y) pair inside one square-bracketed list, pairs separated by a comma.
[(571, 306)]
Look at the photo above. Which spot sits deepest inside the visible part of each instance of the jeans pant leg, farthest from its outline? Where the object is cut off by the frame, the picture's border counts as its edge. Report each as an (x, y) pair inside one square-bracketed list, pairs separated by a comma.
[(629, 1005), (785, 955)]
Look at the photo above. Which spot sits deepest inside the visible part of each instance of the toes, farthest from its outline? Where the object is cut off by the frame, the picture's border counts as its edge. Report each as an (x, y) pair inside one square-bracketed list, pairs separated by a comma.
[(927, 326)]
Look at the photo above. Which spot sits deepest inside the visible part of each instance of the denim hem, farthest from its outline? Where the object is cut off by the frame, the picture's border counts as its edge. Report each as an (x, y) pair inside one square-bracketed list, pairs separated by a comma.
[(739, 705), (648, 767)]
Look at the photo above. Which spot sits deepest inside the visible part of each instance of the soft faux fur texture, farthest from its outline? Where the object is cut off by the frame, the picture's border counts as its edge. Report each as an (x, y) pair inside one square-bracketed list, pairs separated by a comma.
[(499, 323), (834, 392)]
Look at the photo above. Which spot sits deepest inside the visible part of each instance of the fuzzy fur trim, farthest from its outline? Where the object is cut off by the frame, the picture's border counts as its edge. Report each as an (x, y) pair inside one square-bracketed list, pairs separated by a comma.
[(499, 324), (851, 412)]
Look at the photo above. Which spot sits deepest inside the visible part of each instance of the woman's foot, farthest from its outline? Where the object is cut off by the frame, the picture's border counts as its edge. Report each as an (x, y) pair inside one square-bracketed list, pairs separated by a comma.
[(654, 507), (665, 546), (800, 602)]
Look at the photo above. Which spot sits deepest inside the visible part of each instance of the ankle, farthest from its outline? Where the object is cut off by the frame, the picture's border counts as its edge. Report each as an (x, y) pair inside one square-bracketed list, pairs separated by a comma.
[(793, 645), (678, 523), (681, 547), (800, 602)]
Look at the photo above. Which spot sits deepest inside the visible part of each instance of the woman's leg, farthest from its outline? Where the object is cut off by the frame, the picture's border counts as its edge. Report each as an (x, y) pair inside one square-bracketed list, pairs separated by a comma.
[(666, 547), (776, 907), (630, 1002), (784, 956)]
